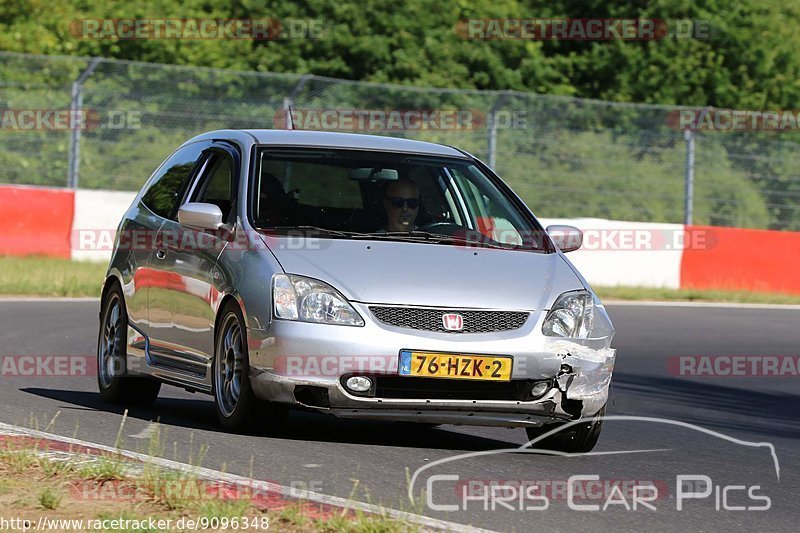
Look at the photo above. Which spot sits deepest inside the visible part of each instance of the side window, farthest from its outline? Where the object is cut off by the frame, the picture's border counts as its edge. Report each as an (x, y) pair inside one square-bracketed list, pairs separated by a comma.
[(168, 185), (217, 185)]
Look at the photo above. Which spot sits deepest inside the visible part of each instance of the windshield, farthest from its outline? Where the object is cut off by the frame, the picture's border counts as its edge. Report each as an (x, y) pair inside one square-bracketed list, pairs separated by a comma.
[(386, 196)]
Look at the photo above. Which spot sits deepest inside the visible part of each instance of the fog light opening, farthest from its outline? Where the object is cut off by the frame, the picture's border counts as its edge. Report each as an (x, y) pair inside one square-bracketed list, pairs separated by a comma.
[(539, 389), (358, 384)]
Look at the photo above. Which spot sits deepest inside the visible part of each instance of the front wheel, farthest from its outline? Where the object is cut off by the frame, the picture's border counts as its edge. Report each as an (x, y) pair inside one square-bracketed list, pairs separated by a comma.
[(112, 379), (238, 409), (578, 438)]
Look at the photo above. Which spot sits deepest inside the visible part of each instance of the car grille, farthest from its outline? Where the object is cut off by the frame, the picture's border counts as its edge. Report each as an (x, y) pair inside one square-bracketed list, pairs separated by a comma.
[(427, 319)]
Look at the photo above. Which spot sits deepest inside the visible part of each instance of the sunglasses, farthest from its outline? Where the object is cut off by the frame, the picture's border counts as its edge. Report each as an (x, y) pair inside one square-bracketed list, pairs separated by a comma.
[(397, 202)]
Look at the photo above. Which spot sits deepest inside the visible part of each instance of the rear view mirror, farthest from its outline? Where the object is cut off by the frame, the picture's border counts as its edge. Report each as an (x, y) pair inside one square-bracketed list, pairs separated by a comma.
[(567, 238), (374, 174), (200, 216)]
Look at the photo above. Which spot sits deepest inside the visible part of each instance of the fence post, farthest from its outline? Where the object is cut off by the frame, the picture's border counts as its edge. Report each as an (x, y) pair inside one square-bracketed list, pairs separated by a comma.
[(76, 104), (688, 206), (492, 124)]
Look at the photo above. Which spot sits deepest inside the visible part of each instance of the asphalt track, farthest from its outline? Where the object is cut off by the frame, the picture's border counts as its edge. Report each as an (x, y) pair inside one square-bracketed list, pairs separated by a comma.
[(374, 461)]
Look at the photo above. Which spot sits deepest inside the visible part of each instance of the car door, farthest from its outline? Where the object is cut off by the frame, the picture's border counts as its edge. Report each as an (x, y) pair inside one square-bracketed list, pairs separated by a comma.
[(158, 202), (189, 257)]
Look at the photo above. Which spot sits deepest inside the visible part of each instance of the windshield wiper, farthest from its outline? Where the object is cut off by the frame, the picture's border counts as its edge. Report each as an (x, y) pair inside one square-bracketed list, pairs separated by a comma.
[(438, 238), (400, 236), (313, 229)]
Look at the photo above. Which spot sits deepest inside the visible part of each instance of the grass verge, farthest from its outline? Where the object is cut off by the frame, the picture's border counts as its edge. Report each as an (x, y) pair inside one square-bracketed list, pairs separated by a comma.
[(44, 276), (38, 276), (64, 494), (694, 295)]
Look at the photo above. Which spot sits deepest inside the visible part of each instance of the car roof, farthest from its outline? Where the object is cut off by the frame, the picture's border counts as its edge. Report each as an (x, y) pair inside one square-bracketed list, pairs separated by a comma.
[(328, 139)]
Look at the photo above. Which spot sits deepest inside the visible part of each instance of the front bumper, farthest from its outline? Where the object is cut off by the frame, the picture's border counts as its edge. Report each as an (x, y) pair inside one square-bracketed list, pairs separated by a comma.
[(302, 364)]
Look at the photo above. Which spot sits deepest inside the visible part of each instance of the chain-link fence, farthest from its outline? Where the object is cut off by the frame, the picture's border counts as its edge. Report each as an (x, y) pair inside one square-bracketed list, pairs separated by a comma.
[(567, 157)]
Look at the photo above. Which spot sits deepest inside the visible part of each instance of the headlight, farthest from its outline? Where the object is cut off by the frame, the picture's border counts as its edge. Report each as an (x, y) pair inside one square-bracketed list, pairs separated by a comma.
[(310, 300), (572, 315)]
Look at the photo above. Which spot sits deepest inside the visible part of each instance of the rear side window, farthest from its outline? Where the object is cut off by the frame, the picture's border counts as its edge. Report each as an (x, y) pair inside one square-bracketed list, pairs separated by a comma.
[(168, 185)]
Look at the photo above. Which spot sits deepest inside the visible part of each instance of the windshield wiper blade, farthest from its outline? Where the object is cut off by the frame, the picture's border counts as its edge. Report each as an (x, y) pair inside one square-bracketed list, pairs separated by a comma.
[(438, 238), (403, 236), (309, 229)]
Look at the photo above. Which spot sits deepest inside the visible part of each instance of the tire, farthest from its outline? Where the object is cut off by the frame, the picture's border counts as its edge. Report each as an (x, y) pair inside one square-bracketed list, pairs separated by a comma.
[(238, 408), (579, 438), (115, 386)]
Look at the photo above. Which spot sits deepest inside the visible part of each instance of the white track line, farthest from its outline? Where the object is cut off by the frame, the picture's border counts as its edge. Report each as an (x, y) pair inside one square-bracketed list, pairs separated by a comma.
[(216, 475)]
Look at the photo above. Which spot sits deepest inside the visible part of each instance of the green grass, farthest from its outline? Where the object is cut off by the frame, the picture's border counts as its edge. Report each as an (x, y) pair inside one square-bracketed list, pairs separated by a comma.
[(24, 487), (37, 276), (40, 276), (16, 459), (49, 499), (292, 518), (105, 468)]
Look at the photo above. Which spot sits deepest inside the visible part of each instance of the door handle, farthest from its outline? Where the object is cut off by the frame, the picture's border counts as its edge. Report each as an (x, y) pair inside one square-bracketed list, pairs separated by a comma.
[(161, 253)]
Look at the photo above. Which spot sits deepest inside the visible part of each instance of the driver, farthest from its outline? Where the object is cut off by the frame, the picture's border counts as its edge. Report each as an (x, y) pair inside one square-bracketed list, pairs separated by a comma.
[(401, 202)]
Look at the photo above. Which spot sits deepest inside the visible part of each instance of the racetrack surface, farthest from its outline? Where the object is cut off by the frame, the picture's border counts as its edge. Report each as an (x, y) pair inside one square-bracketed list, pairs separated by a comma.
[(328, 455)]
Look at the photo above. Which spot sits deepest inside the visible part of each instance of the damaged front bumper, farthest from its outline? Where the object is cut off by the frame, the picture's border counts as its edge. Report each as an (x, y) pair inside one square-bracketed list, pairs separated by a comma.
[(303, 364)]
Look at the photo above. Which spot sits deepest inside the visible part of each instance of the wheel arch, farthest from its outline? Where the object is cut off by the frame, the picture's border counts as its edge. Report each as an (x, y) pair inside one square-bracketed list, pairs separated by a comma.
[(111, 278), (229, 299)]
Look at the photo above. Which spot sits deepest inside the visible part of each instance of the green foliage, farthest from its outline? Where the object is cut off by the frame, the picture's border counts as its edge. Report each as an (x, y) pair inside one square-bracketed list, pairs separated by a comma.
[(49, 498), (574, 157), (748, 60)]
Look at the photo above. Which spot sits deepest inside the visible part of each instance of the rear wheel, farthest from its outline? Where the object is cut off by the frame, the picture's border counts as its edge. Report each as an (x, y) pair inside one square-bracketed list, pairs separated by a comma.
[(578, 438), (112, 379), (238, 409)]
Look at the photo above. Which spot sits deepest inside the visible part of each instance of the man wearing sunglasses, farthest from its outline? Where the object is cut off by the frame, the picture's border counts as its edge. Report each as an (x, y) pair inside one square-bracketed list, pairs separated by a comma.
[(401, 202)]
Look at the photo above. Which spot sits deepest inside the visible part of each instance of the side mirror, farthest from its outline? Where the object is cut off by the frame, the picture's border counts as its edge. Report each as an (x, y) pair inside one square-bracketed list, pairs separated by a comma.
[(567, 238), (200, 216)]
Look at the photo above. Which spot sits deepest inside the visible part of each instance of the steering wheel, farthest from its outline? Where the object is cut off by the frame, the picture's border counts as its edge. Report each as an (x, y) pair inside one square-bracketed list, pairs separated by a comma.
[(450, 229), (443, 228)]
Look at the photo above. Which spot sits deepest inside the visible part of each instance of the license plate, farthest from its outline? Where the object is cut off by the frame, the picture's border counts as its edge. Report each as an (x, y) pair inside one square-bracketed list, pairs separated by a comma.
[(455, 366)]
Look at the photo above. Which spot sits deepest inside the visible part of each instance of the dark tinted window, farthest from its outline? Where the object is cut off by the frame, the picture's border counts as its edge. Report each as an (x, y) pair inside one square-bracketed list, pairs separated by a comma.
[(318, 183), (218, 184), (168, 185), (358, 192)]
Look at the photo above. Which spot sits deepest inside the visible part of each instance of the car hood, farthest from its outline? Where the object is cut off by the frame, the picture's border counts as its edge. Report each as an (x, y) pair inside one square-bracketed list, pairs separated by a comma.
[(383, 272)]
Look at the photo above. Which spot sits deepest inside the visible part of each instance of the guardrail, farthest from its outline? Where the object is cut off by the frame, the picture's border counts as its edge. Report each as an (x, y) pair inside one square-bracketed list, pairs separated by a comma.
[(81, 224)]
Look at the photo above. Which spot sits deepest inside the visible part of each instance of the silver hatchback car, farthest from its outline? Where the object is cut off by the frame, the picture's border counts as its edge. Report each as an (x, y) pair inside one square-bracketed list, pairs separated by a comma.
[(362, 276)]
